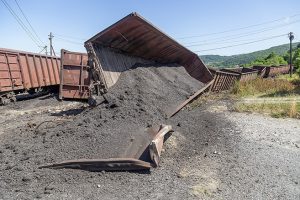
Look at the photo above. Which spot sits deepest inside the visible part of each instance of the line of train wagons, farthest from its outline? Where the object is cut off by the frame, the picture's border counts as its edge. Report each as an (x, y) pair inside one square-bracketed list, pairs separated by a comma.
[(24, 72)]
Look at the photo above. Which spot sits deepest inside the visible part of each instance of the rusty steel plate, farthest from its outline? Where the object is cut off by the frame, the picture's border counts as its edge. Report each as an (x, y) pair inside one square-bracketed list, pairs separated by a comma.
[(111, 164)]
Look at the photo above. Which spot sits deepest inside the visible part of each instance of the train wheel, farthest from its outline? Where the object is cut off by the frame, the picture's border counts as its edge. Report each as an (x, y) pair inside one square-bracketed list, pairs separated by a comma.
[(31, 91), (92, 101), (13, 99), (4, 101)]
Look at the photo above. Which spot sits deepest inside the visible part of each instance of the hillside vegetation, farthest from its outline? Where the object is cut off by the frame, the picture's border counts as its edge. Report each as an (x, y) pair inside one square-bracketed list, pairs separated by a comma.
[(243, 59)]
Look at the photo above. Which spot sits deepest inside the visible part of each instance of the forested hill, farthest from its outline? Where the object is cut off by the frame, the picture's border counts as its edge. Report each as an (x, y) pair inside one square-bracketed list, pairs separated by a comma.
[(228, 61)]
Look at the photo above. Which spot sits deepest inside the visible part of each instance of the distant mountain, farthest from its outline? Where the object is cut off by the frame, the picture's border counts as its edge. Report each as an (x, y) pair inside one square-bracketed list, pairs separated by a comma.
[(228, 61)]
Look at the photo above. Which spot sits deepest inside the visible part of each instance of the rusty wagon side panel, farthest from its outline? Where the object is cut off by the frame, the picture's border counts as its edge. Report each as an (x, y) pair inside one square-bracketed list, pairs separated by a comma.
[(75, 77), (277, 70), (21, 70), (223, 81), (271, 71), (245, 74)]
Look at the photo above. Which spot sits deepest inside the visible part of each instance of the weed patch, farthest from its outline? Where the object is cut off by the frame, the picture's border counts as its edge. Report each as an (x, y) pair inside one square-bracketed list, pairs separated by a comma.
[(260, 87), (277, 110)]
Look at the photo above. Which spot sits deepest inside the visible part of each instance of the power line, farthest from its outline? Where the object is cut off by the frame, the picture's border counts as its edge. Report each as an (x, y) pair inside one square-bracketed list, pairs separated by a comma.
[(28, 22), (226, 42), (21, 23), (211, 41), (69, 41), (241, 35), (241, 28), (242, 43), (69, 37)]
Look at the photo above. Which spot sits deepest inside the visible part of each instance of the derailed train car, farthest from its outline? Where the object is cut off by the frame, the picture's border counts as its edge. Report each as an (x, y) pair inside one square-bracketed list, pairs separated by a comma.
[(26, 72), (118, 48)]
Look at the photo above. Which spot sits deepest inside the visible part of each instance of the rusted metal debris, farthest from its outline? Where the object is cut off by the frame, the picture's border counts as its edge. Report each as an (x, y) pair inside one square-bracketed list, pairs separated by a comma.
[(143, 155), (156, 144), (112, 164)]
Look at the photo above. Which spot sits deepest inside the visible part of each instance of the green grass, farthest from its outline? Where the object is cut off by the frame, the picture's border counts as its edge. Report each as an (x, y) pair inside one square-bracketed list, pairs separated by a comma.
[(295, 79), (277, 110), (264, 87), (282, 86)]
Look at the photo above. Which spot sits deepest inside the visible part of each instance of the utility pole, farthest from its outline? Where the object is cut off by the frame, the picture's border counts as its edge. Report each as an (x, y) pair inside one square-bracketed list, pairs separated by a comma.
[(50, 39), (291, 37)]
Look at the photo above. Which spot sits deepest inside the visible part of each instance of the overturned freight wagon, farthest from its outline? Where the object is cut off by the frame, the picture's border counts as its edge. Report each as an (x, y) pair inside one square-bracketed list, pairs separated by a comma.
[(119, 48), (24, 71), (134, 40)]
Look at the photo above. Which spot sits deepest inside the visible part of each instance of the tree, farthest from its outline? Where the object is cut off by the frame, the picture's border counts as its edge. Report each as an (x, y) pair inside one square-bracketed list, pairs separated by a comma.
[(296, 60), (271, 59)]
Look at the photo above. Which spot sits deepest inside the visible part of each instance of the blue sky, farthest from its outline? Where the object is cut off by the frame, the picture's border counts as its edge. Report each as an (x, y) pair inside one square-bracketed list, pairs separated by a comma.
[(72, 22)]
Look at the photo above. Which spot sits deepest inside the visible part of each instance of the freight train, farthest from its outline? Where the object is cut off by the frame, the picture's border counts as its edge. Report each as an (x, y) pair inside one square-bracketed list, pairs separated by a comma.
[(22, 72)]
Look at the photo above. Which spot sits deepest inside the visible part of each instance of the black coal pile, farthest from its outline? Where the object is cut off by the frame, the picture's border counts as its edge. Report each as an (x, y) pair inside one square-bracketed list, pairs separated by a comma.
[(141, 98)]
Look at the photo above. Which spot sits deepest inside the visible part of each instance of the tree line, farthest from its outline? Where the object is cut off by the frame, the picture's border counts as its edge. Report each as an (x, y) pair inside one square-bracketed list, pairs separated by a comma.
[(276, 59)]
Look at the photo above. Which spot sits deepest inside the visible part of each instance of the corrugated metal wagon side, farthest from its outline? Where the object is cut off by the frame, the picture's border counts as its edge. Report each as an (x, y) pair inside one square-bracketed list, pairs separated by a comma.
[(223, 81), (245, 74), (75, 77), (24, 71), (277, 70), (271, 71)]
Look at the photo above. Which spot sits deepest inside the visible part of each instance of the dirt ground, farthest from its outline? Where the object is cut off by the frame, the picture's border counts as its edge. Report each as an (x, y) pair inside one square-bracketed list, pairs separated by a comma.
[(214, 154)]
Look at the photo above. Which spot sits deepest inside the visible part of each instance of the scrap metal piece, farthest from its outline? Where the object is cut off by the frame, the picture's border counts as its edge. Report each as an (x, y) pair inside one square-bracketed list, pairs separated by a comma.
[(140, 155), (156, 144), (111, 164)]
